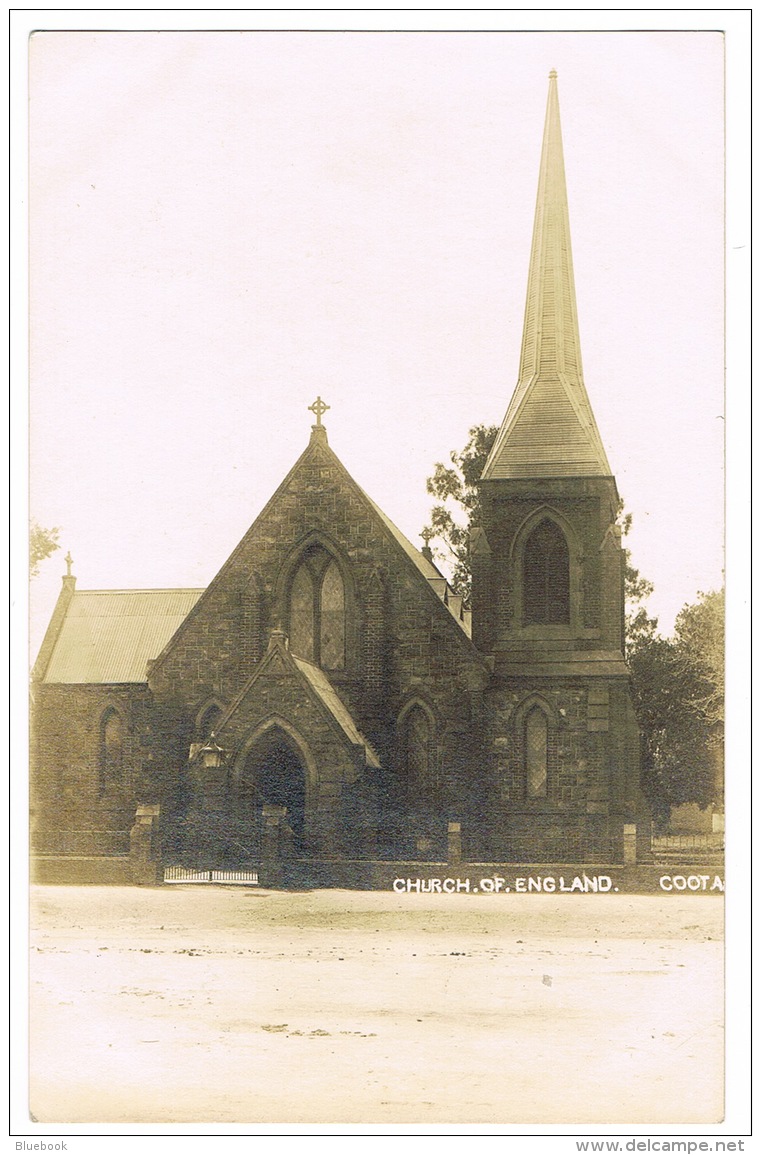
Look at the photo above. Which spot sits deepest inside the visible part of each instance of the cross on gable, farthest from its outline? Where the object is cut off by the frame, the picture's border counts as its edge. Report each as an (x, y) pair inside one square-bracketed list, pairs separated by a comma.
[(427, 534), (318, 407)]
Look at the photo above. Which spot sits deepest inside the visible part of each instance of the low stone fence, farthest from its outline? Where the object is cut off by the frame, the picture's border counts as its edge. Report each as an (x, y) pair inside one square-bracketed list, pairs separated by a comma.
[(80, 870), (83, 843), (682, 876), (508, 878)]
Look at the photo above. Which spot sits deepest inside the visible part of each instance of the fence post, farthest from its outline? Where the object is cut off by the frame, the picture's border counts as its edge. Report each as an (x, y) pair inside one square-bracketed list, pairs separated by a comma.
[(454, 842), (630, 844)]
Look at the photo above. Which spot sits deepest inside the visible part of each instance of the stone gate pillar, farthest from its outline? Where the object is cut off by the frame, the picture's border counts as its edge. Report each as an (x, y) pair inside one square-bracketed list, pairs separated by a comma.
[(145, 846)]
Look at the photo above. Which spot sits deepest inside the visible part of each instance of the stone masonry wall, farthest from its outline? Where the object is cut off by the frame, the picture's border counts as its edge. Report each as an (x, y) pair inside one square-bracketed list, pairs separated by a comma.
[(424, 650), (72, 811), (586, 771), (588, 506)]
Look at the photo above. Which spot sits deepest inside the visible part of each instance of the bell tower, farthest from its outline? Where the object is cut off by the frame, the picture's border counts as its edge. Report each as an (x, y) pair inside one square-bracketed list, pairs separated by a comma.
[(548, 577)]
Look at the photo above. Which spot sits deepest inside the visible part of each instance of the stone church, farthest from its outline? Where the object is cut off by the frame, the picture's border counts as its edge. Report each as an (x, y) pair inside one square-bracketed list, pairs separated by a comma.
[(328, 690)]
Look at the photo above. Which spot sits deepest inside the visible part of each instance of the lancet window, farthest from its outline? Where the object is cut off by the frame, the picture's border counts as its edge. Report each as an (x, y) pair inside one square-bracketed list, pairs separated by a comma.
[(111, 760), (318, 611), (536, 747), (416, 746), (546, 576)]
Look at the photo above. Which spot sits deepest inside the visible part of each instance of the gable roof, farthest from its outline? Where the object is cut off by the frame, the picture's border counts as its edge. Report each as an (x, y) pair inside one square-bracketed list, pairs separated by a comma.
[(340, 711), (318, 444), (279, 660), (111, 635), (549, 429)]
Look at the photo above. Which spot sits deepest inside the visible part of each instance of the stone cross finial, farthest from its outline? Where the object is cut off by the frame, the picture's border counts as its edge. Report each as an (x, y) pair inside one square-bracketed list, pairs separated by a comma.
[(69, 563), (318, 408), (427, 534)]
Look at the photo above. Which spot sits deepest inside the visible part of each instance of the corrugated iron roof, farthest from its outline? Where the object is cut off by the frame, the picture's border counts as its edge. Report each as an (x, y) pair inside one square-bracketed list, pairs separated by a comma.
[(110, 635)]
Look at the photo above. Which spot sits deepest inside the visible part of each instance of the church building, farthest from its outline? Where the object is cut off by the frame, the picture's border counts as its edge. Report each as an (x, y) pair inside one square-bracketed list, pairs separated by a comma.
[(329, 698)]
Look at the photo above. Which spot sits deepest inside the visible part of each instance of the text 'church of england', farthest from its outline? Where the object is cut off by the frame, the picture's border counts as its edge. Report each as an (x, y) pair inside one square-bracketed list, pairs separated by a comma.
[(328, 699)]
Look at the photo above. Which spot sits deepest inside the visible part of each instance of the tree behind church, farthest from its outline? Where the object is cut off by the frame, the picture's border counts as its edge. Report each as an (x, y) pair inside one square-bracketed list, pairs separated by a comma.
[(677, 683), (455, 487), (678, 687), (458, 508), (42, 543)]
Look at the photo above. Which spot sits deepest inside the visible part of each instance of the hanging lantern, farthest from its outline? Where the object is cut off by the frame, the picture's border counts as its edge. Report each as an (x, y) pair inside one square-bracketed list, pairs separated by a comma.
[(212, 754)]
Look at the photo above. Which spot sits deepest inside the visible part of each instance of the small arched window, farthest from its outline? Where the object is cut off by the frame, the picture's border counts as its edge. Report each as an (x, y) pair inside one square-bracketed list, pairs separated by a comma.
[(209, 723), (318, 611), (536, 753), (546, 576), (111, 760), (417, 755)]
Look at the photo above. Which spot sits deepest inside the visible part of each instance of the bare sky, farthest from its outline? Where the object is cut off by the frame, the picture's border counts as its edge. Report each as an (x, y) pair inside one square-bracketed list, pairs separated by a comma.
[(224, 225)]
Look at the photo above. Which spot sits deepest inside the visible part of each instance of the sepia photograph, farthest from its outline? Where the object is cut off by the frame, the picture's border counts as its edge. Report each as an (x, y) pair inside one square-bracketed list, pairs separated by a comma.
[(377, 551)]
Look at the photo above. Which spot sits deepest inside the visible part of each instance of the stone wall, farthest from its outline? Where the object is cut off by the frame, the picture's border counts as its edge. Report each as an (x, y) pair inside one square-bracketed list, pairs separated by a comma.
[(402, 641), (75, 810), (587, 510)]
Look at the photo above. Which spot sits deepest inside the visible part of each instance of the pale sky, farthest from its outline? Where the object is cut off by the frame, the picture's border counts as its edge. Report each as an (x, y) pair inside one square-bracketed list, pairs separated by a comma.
[(224, 225)]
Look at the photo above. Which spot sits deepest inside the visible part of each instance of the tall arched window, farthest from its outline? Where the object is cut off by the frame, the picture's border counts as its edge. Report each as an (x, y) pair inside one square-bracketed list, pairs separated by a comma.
[(318, 611), (546, 576), (111, 766), (332, 611), (301, 632), (536, 753), (417, 755)]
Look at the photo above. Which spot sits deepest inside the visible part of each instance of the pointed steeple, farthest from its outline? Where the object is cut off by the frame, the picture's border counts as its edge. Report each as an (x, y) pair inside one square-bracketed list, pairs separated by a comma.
[(549, 429)]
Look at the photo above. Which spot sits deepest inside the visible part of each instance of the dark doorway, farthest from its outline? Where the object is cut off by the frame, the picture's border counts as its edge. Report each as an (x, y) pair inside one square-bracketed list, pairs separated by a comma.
[(274, 774)]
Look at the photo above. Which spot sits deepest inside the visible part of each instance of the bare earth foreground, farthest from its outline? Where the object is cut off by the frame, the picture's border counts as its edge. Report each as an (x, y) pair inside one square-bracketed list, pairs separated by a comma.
[(232, 1005)]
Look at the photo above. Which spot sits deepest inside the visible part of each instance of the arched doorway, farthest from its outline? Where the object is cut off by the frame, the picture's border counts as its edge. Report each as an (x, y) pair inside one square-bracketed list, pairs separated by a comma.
[(273, 774)]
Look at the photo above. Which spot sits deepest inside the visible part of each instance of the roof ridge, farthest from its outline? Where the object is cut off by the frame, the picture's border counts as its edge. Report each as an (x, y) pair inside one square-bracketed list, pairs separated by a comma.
[(144, 590)]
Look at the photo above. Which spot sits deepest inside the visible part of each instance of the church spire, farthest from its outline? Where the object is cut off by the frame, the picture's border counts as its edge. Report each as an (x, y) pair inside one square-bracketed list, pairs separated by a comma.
[(549, 429)]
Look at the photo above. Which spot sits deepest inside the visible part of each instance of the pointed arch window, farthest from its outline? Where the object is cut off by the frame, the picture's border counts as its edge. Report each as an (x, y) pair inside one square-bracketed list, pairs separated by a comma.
[(318, 611), (111, 762), (209, 723), (332, 611), (302, 614), (536, 746), (546, 576), (416, 738)]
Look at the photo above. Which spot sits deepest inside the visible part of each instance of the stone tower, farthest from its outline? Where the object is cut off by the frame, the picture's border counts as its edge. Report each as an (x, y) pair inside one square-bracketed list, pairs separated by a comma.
[(548, 582)]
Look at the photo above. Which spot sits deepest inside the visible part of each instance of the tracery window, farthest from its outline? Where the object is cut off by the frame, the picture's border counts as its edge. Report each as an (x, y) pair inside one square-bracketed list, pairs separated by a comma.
[(318, 611), (111, 762), (546, 576)]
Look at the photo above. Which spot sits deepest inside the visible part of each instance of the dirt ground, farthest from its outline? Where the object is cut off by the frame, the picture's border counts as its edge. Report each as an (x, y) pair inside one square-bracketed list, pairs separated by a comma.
[(204, 1004)]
